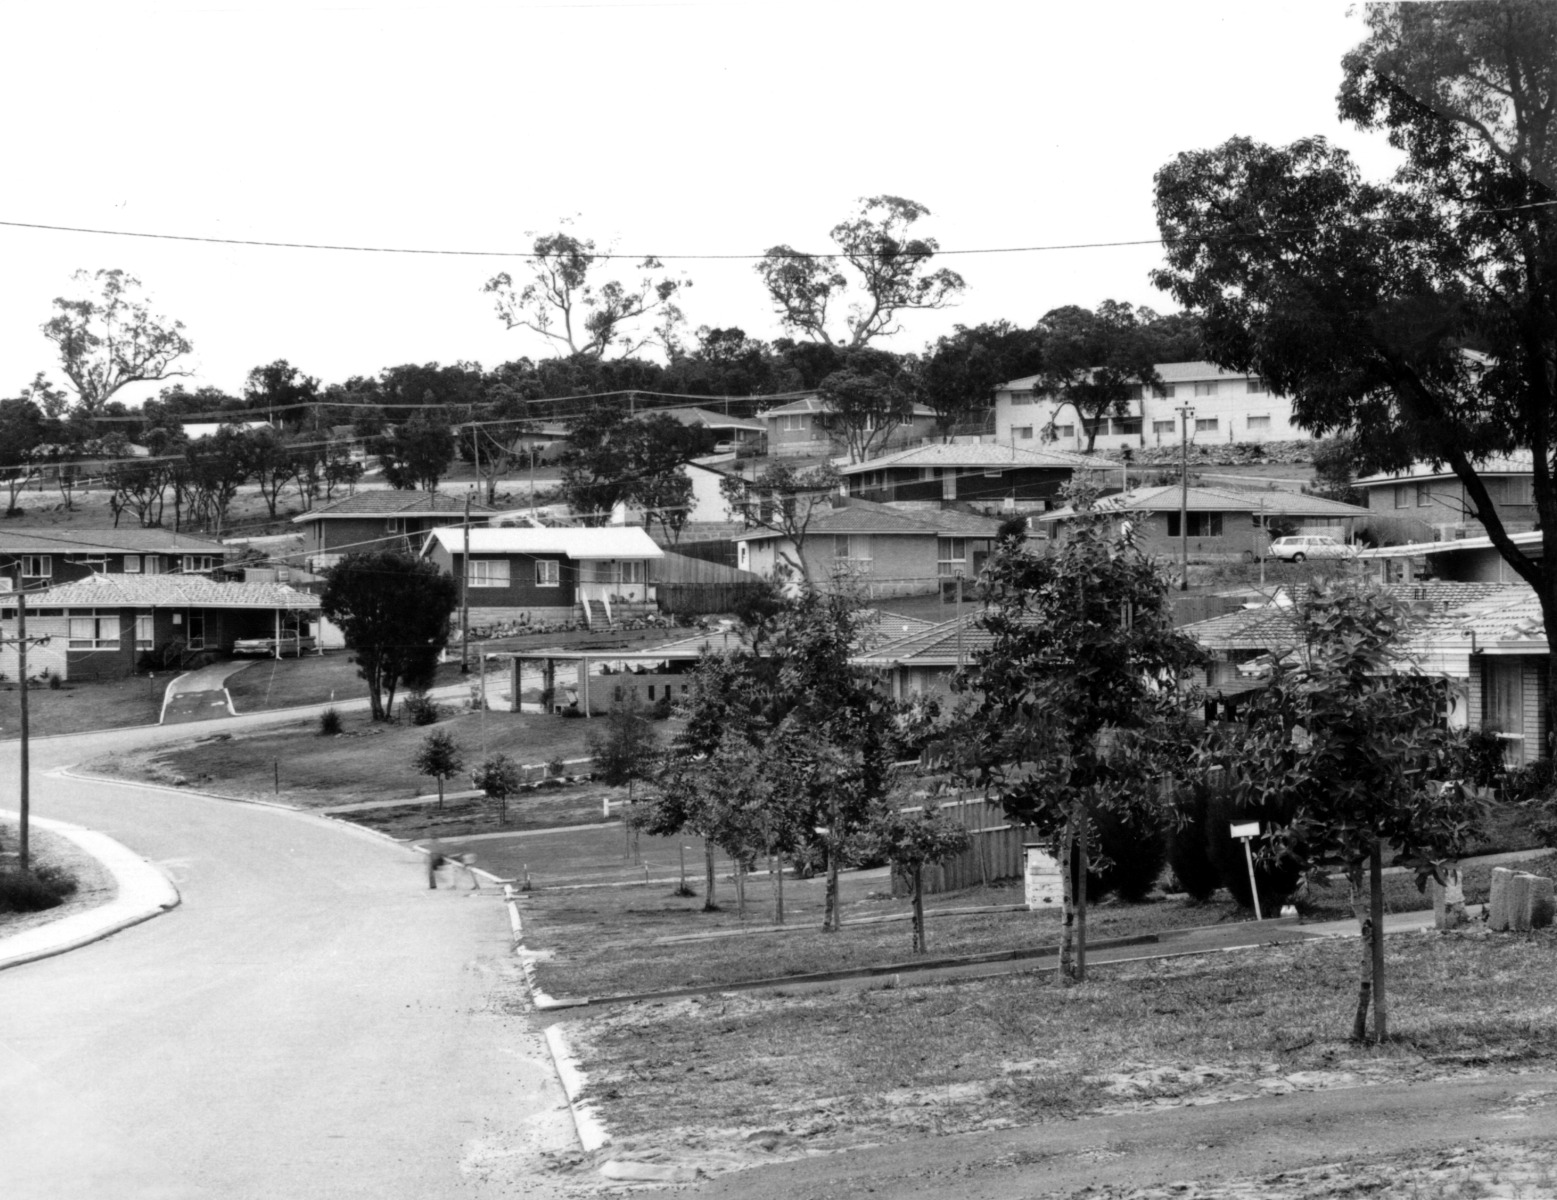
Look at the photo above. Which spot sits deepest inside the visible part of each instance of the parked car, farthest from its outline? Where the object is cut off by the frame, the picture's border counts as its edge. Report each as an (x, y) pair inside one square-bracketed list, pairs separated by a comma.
[(290, 642), (1310, 545)]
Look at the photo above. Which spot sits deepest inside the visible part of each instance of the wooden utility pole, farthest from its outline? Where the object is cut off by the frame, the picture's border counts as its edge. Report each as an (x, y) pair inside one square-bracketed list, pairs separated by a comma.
[(1186, 412), (465, 595)]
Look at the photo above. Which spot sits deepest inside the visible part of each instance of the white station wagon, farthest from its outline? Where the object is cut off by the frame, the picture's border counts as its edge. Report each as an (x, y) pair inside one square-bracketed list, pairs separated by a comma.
[(1310, 545)]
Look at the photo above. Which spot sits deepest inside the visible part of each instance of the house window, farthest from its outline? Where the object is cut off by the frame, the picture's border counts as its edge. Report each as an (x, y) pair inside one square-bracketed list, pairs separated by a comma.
[(1259, 424), (394, 525), (1164, 426), (1402, 496), (853, 547), (951, 556), (1518, 490), (792, 422), (1205, 424), (1165, 391), (151, 564), (1257, 387), (1206, 389), (487, 572), (194, 564), (1125, 425), (132, 564), (632, 571), (1134, 392), (144, 634), (94, 629), (1023, 432), (37, 566), (1022, 398), (1201, 524), (1065, 431), (548, 573), (1424, 495)]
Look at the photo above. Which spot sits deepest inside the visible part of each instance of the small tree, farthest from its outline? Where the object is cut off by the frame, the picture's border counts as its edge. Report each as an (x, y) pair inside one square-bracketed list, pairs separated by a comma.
[(912, 841), (394, 612), (498, 777), (786, 500), (627, 750), (418, 453), (1077, 693), (1354, 737), (111, 339), (1097, 361), (439, 756)]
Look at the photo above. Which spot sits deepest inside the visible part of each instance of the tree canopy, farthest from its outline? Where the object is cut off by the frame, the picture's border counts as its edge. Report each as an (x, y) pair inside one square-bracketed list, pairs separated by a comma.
[(1097, 361), (109, 338), (1418, 315)]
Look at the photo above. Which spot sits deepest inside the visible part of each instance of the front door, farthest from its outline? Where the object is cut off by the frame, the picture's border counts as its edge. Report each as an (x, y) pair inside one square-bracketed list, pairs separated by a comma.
[(1505, 706), (196, 630)]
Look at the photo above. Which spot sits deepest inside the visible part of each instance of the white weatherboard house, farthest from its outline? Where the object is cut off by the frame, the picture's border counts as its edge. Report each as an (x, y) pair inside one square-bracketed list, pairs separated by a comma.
[(1228, 407)]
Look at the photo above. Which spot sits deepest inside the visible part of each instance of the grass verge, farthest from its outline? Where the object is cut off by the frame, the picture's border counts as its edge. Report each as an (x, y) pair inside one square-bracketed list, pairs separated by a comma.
[(90, 884), (742, 1078), (83, 707)]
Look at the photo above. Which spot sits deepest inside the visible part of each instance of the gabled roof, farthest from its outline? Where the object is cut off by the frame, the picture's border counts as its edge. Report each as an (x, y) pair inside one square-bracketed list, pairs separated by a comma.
[(73, 540), (707, 418), (938, 646), (1173, 372), (1520, 462), (880, 519), (1203, 499), (1528, 540), (815, 404), (170, 591), (575, 542), (391, 502), (977, 456)]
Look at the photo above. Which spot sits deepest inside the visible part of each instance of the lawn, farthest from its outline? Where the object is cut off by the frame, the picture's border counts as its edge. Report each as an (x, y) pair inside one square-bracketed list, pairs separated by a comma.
[(94, 884), (81, 707), (295, 764), (741, 1078), (269, 683)]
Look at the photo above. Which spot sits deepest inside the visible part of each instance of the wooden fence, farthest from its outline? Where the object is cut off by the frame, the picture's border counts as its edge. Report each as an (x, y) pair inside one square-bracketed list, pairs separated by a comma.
[(995, 851), (702, 598)]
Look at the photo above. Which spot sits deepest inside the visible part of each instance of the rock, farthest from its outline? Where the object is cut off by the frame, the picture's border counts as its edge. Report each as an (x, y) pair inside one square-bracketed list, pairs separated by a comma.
[(1498, 899), (1519, 901), (631, 1171)]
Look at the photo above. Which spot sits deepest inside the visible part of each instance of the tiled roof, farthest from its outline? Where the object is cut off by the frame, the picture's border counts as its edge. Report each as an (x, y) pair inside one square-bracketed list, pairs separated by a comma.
[(1174, 372), (576, 542), (392, 502), (1203, 499), (1520, 462), (1441, 608), (980, 455), (939, 645), (73, 540), (880, 519), (172, 591)]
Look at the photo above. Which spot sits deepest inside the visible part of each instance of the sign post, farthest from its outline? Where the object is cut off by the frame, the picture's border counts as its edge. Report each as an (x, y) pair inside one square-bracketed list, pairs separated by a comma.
[(1246, 831)]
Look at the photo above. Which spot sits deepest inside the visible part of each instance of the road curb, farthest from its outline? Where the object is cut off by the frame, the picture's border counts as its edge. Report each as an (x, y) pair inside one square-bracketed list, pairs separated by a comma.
[(144, 892), (592, 1133)]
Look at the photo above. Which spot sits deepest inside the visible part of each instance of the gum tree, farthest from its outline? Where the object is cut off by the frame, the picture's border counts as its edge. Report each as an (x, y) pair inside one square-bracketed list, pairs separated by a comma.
[(109, 338)]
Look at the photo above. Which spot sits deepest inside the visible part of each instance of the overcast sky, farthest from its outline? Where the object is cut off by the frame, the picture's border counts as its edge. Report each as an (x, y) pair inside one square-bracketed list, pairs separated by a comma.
[(672, 129)]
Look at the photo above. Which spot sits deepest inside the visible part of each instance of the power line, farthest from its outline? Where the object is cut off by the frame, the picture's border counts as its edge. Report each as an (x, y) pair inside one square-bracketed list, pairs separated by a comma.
[(440, 252)]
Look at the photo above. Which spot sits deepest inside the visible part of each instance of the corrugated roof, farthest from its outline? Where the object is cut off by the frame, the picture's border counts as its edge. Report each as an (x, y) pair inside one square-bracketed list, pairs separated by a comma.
[(981, 455), (171, 591), (1525, 539), (707, 417), (392, 502), (73, 540), (575, 542), (1203, 499)]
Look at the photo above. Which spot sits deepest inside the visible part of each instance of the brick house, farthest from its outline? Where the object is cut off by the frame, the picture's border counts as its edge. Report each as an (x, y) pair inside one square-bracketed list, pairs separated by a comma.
[(982, 473), (34, 558), (98, 627), (1428, 502), (887, 551), (380, 519), (549, 574), (806, 428)]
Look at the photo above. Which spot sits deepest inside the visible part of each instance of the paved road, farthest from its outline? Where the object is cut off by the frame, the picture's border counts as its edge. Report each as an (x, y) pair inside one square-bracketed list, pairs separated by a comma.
[(311, 1021)]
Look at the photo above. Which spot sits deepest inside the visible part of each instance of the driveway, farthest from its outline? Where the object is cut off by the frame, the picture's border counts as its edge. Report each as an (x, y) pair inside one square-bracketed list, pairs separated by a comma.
[(200, 695), (311, 1021)]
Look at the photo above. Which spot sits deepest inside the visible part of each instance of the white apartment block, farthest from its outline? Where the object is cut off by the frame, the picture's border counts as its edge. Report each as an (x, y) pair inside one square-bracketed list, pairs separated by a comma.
[(1226, 407)]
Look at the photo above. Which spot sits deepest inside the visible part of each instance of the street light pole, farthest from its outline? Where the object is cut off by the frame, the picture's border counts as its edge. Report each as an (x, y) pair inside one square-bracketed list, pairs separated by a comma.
[(1185, 412), (465, 595)]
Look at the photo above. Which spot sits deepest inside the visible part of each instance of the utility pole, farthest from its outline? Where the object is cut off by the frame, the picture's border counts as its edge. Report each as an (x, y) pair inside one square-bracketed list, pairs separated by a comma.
[(1186, 412), (24, 797), (465, 595)]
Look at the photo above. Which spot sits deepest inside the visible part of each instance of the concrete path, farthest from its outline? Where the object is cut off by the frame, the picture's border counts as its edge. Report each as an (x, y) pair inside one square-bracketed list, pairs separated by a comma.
[(310, 1021), (200, 695)]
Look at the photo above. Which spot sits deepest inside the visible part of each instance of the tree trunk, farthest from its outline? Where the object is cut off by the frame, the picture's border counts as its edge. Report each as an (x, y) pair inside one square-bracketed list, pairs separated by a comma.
[(440, 791), (1364, 984), (776, 874), (1081, 907), (1068, 921), (832, 919), (1376, 941), (740, 889), (708, 877), (918, 881)]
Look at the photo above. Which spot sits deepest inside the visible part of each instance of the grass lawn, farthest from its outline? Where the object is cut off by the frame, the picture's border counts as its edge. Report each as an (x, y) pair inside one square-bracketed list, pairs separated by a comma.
[(268, 683), (80, 707), (607, 941), (94, 885), (1401, 895), (369, 762), (823, 1071)]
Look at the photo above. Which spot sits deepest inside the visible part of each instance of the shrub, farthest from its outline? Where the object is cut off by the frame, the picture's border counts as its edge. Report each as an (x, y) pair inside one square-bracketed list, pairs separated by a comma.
[(329, 723), (421, 708), (1186, 843), (1134, 851), (35, 890), (557, 767), (1529, 782), (1277, 880), (54, 683)]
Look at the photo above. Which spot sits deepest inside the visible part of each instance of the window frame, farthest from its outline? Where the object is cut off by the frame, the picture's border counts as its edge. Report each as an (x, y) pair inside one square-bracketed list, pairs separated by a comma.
[(548, 573), (45, 560), (488, 573), (97, 617), (1208, 424)]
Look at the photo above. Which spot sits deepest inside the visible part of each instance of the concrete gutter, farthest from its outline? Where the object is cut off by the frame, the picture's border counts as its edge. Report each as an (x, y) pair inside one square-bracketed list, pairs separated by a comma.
[(143, 892)]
